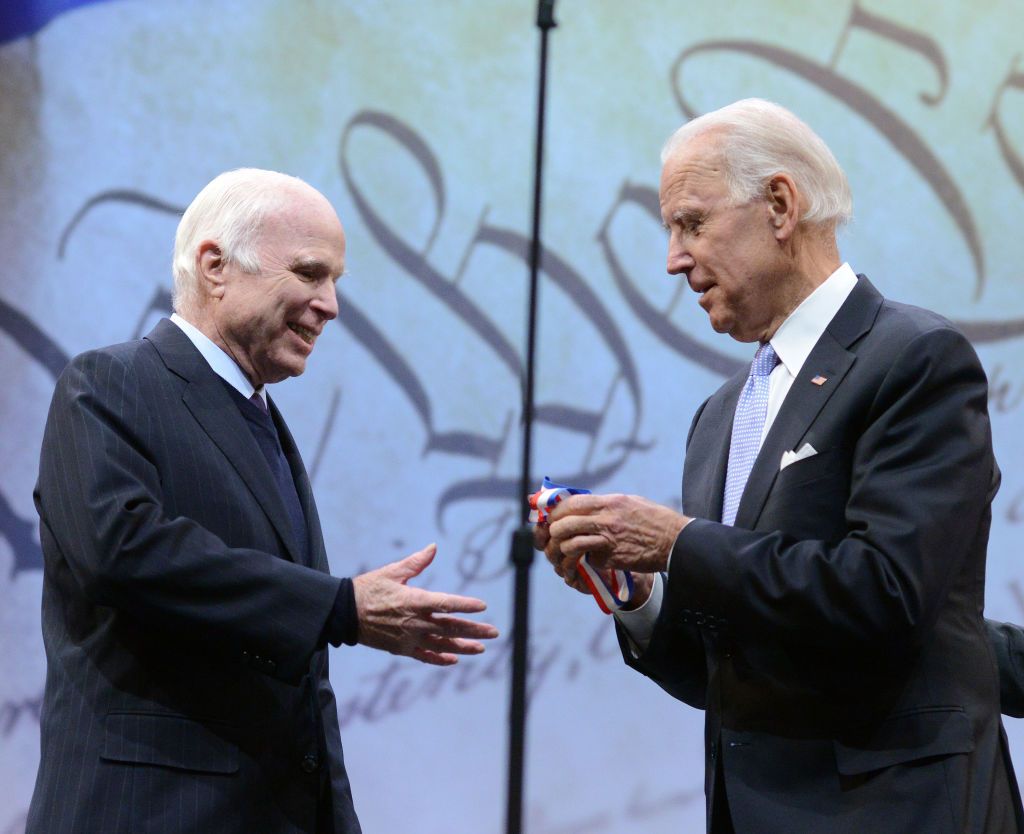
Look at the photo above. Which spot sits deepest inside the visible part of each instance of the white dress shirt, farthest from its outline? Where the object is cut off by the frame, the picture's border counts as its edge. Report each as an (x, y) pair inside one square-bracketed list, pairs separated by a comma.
[(220, 361), (793, 343)]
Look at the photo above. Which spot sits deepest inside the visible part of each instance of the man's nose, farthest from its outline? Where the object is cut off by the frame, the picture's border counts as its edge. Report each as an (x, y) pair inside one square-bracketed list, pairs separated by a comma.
[(325, 302), (680, 261)]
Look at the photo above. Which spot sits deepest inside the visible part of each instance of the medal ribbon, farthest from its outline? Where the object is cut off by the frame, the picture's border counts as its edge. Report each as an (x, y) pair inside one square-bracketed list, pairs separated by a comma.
[(608, 597)]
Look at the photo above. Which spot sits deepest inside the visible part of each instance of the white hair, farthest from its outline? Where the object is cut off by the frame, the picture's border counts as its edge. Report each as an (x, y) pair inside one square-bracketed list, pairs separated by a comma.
[(230, 210), (760, 139)]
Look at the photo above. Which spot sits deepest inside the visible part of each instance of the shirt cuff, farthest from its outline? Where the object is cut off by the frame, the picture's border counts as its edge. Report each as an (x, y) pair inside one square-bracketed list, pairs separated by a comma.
[(639, 623), (342, 624)]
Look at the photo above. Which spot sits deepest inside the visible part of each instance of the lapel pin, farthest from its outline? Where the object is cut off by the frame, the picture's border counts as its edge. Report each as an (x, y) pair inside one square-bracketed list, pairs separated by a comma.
[(820, 380)]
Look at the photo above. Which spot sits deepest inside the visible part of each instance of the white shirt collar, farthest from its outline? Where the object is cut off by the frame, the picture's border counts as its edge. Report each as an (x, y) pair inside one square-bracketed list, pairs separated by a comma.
[(222, 364), (802, 329)]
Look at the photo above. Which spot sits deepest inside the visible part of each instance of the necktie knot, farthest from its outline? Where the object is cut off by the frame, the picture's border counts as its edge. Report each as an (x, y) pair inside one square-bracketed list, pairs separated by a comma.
[(765, 360), (257, 401)]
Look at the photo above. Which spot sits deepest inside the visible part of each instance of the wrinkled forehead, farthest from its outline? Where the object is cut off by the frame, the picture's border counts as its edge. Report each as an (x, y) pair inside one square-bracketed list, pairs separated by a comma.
[(305, 225), (694, 171)]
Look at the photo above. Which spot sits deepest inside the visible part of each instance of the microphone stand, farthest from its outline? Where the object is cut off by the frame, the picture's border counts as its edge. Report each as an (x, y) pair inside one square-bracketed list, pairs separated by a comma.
[(522, 538)]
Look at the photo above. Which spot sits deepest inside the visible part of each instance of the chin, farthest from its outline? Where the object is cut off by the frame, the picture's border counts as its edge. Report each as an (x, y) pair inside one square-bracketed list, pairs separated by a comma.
[(283, 371), (720, 326)]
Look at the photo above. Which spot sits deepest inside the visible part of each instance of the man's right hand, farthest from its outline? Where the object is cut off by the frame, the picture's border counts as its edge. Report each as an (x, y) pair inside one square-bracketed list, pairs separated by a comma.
[(414, 622), (571, 577), (642, 582)]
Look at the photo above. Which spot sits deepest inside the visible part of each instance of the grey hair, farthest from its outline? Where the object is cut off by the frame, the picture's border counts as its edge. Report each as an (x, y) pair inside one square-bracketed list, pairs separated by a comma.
[(230, 210), (760, 139)]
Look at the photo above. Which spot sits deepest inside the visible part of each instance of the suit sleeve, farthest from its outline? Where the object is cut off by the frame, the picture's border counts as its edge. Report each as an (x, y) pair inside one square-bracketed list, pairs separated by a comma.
[(1007, 641), (675, 657), (100, 505), (922, 477)]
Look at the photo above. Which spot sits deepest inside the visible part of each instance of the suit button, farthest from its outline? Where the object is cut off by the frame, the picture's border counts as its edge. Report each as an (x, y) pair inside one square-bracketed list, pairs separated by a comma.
[(271, 666), (714, 750), (309, 763)]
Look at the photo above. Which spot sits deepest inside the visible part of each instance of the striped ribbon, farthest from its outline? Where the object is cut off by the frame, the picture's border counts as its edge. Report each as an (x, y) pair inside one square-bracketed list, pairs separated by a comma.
[(608, 596)]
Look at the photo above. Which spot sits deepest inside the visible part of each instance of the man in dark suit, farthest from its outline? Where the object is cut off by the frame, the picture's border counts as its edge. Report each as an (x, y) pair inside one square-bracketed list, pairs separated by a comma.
[(821, 595), (187, 603)]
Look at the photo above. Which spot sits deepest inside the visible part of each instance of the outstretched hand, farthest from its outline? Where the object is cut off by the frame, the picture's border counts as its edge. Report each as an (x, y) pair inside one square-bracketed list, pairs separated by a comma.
[(415, 622)]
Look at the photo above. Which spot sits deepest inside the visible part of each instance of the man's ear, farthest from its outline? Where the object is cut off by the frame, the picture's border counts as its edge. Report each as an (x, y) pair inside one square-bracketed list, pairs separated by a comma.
[(784, 205), (210, 261)]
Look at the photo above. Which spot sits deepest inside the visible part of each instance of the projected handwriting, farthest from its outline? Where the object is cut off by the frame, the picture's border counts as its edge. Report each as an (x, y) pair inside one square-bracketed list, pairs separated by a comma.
[(657, 321), (906, 142), (607, 447), (642, 804), (11, 712), (903, 139), (1004, 395), (595, 469), (1015, 512), (400, 686), (1014, 80), (38, 346), (902, 36)]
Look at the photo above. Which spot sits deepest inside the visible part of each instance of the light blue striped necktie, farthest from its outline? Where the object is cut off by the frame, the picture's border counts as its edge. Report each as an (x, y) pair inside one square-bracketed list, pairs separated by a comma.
[(747, 425)]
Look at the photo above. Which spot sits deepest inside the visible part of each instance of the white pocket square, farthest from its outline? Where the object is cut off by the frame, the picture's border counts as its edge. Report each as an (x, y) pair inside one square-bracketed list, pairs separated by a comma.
[(805, 451)]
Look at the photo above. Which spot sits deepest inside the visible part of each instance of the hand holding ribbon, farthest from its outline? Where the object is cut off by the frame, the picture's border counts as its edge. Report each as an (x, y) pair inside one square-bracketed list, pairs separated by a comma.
[(610, 594)]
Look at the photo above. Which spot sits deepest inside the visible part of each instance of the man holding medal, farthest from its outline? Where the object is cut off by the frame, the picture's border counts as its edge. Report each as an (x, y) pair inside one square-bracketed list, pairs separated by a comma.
[(821, 595)]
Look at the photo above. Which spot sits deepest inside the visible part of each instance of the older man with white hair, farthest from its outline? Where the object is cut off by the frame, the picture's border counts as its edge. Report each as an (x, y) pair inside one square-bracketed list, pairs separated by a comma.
[(187, 603), (821, 594)]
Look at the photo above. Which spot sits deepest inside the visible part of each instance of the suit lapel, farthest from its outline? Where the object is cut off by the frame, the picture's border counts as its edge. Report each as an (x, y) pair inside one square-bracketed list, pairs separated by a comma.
[(211, 406), (802, 404), (314, 534), (830, 358), (708, 455)]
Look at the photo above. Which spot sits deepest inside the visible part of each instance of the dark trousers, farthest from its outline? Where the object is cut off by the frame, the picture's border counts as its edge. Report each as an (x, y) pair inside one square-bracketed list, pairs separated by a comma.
[(325, 809), (720, 817)]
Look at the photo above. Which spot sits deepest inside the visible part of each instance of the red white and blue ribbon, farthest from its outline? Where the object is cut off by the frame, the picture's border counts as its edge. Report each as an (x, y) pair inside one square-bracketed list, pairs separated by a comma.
[(608, 596)]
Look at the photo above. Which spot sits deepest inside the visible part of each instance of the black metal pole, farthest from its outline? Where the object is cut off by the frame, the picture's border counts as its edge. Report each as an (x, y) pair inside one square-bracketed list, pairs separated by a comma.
[(522, 538)]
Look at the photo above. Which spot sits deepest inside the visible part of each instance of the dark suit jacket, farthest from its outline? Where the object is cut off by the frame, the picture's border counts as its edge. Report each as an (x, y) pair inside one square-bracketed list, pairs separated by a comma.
[(185, 691), (834, 635), (1008, 642)]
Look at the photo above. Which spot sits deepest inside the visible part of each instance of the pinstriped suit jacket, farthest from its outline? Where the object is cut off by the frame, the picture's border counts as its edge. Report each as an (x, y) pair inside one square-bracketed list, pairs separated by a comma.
[(184, 689)]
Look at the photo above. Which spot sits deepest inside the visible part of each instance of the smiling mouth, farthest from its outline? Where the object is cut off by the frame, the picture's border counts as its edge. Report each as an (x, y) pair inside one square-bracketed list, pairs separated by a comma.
[(304, 333)]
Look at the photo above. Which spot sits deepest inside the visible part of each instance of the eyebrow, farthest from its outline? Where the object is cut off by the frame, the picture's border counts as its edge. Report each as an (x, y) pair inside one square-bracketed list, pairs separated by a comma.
[(311, 265), (683, 216)]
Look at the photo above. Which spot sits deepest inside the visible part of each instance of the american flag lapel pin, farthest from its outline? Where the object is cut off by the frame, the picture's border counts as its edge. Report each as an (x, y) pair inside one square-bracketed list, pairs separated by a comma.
[(820, 380)]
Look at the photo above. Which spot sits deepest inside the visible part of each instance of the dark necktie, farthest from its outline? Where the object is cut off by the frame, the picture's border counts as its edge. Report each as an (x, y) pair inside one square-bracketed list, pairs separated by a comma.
[(257, 401), (266, 435)]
